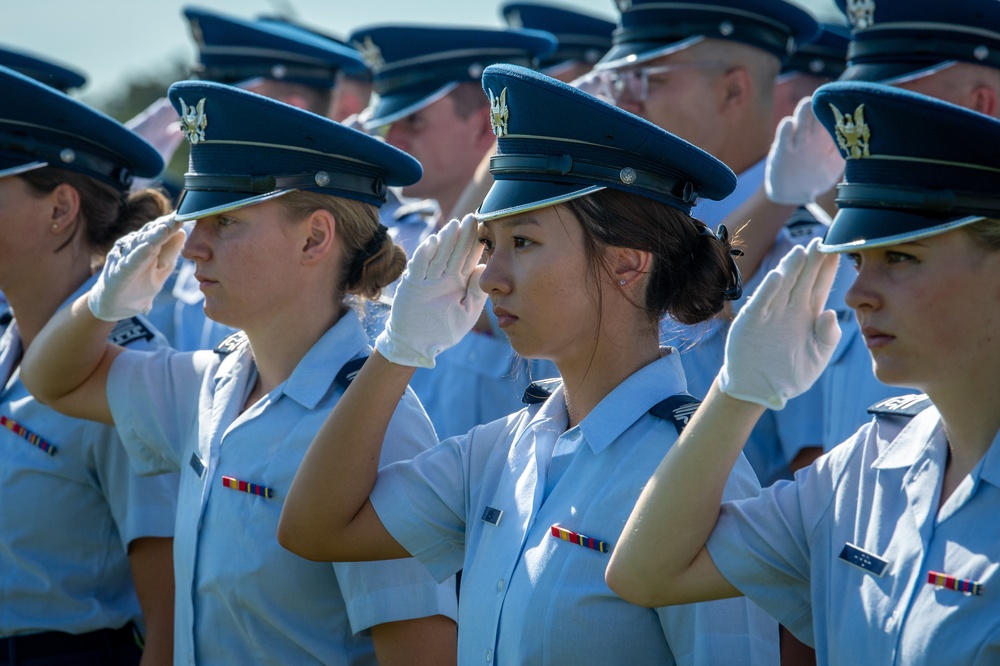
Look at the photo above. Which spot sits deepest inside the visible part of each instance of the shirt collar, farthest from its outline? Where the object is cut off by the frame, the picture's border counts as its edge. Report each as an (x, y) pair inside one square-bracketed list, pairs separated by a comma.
[(312, 377), (922, 437), (632, 399)]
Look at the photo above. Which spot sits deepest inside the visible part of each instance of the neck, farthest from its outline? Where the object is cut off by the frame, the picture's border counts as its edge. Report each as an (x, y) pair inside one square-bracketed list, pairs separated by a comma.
[(279, 346), (742, 149), (971, 422), (596, 372), (35, 300)]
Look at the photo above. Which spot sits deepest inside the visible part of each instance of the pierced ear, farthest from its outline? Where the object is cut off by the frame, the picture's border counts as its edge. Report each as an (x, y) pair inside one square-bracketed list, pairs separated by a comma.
[(631, 265), (320, 229), (65, 201)]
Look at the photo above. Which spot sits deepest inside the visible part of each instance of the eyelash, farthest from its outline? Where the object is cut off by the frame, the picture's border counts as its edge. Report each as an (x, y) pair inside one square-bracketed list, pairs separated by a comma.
[(890, 257)]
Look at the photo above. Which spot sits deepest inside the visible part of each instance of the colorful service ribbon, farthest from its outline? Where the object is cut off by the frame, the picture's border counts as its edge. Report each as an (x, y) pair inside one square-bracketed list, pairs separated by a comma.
[(252, 488), (19, 429), (579, 539), (958, 584)]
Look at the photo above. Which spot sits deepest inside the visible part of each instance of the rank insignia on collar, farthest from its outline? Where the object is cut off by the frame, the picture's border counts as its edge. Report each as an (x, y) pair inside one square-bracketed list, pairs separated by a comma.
[(861, 13), (370, 53), (499, 113), (852, 132), (194, 121)]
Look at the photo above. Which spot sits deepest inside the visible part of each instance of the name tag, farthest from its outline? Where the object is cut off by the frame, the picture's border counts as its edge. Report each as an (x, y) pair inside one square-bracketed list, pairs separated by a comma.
[(492, 516), (197, 465), (864, 560)]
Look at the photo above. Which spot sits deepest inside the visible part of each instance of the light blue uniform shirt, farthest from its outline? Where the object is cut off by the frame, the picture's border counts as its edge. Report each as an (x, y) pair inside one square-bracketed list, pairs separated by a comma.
[(66, 520), (848, 383), (529, 597), (880, 492), (241, 597), (779, 435)]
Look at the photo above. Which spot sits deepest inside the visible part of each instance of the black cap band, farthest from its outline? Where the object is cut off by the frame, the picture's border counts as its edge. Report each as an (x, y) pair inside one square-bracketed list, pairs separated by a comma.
[(867, 195), (920, 47), (300, 181)]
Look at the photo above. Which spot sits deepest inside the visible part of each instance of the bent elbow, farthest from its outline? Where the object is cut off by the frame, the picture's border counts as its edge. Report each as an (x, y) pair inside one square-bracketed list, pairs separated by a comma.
[(626, 586), (296, 540)]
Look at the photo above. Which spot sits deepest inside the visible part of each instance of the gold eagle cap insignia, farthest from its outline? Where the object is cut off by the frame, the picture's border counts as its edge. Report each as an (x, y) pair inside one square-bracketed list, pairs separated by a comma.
[(861, 13), (194, 121), (499, 114), (853, 134), (370, 53)]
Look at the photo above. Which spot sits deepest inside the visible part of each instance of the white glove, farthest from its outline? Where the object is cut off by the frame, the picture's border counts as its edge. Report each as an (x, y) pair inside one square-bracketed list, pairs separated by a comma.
[(438, 299), (804, 161), (135, 270), (783, 338)]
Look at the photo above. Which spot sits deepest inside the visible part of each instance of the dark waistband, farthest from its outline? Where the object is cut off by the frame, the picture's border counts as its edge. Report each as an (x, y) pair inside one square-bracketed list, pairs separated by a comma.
[(52, 643)]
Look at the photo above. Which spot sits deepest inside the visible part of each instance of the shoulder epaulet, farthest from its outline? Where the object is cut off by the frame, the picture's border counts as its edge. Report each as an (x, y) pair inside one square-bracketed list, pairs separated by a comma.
[(6, 317), (421, 207), (130, 330), (539, 391), (677, 409), (901, 405), (350, 371), (801, 223), (231, 343)]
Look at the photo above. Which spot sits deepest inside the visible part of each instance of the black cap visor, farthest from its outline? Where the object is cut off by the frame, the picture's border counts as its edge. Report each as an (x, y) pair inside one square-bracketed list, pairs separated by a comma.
[(865, 228), (510, 197)]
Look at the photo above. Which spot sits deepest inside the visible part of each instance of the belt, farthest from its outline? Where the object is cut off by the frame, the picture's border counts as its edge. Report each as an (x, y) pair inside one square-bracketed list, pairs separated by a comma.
[(14, 649)]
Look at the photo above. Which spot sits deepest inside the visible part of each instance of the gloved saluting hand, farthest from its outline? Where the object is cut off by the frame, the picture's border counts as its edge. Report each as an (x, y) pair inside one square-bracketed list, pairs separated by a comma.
[(438, 299), (804, 162), (135, 270), (783, 338)]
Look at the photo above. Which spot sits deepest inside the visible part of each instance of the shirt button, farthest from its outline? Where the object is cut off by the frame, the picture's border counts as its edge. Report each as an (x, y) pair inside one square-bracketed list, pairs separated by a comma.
[(489, 655), (500, 585)]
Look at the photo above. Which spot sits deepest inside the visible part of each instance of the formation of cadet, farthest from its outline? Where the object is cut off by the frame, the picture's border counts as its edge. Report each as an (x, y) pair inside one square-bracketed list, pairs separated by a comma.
[(445, 324)]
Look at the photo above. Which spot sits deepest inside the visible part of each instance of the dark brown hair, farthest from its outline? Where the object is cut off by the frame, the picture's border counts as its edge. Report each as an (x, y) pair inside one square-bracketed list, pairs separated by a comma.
[(691, 266)]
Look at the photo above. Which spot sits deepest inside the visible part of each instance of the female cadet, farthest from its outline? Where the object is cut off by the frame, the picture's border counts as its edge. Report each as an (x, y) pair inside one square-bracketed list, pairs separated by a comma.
[(589, 239), (287, 224), (84, 542), (883, 551)]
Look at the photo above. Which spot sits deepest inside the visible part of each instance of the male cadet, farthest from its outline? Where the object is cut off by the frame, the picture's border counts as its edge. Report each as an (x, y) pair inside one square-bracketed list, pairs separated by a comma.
[(706, 71), (431, 105), (948, 50)]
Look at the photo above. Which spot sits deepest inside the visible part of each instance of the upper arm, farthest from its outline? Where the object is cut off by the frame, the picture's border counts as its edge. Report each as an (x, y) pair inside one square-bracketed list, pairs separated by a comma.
[(89, 400)]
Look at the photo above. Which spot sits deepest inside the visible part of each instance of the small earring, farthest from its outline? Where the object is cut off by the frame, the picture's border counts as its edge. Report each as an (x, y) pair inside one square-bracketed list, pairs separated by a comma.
[(55, 226), (621, 282)]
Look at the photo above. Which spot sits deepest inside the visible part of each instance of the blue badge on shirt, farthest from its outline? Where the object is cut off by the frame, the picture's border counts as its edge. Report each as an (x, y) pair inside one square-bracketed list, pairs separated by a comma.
[(862, 559), (197, 465), (492, 516)]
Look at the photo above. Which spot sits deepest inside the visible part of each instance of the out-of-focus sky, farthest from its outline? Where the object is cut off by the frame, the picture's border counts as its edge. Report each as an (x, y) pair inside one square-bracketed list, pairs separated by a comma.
[(113, 40)]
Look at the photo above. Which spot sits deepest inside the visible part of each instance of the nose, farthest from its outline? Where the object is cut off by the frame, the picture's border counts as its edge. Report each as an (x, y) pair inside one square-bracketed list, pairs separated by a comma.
[(863, 293), (395, 135), (495, 279), (196, 247)]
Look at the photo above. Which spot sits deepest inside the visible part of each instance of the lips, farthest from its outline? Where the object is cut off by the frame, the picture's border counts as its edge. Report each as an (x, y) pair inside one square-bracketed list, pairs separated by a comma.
[(504, 318), (875, 338)]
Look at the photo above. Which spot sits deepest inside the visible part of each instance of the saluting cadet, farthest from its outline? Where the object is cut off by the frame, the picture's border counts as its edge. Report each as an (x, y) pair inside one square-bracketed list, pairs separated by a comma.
[(884, 550), (950, 51), (431, 104), (85, 564), (285, 204), (588, 239)]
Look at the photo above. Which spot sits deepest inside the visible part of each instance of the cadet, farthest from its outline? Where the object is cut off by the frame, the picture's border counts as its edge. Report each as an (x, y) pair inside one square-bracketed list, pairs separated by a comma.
[(430, 104), (883, 551), (84, 542), (589, 239), (287, 224)]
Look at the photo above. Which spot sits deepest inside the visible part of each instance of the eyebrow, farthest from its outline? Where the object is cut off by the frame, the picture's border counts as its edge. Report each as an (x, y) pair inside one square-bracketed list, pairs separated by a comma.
[(512, 221)]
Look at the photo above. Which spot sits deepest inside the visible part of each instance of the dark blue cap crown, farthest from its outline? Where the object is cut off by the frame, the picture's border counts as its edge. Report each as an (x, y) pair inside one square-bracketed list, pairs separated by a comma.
[(246, 148), (826, 56), (916, 166), (581, 37), (556, 143), (417, 65), (652, 28), (896, 40), (231, 50), (57, 76), (40, 126)]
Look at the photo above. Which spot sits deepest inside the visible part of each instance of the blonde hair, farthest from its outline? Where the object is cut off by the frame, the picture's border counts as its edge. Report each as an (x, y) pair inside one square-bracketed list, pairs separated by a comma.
[(985, 233), (376, 261)]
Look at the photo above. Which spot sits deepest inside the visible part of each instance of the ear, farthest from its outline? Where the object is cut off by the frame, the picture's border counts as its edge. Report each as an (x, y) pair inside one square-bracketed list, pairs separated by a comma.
[(485, 139), (65, 208), (735, 88), (630, 265), (320, 230), (983, 99)]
